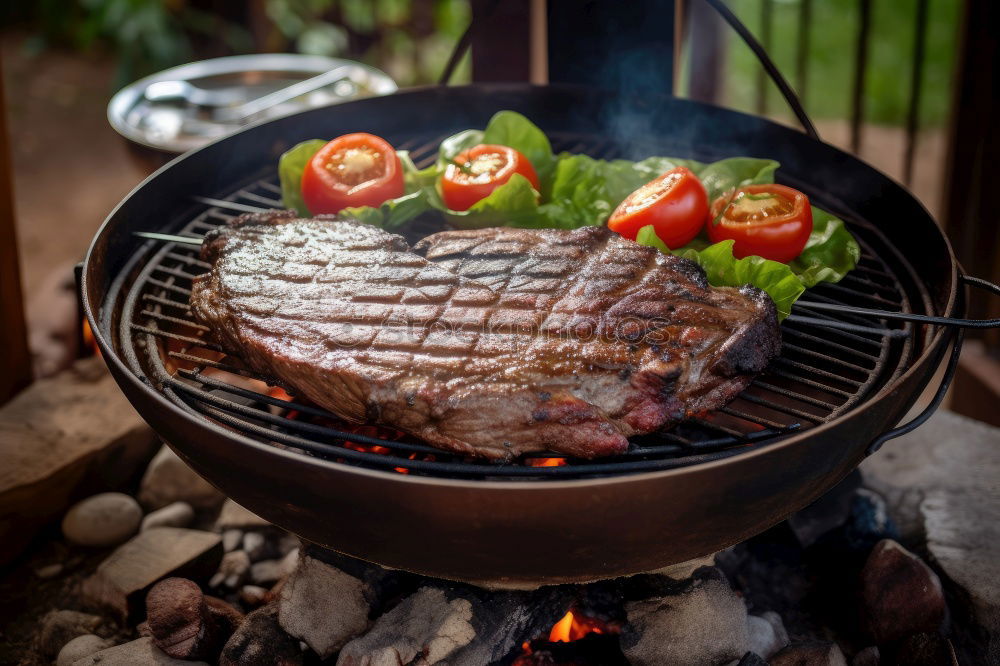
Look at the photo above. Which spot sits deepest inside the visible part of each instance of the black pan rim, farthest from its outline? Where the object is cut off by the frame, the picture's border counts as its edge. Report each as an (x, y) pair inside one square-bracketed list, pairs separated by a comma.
[(932, 346)]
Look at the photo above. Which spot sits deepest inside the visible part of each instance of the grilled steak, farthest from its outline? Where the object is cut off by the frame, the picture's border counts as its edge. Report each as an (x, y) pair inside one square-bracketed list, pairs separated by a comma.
[(728, 335), (583, 341)]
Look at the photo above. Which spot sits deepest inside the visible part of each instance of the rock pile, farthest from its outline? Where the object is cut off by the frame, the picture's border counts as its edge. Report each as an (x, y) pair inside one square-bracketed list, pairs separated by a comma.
[(183, 576)]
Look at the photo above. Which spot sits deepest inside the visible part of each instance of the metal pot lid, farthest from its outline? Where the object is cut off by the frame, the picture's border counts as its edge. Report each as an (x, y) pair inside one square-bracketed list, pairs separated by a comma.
[(188, 106)]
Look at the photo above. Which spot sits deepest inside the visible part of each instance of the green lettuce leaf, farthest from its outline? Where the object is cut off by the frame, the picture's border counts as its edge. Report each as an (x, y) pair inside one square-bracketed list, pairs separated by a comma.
[(725, 270), (455, 144), (728, 174), (290, 167), (830, 253), (579, 193), (393, 213)]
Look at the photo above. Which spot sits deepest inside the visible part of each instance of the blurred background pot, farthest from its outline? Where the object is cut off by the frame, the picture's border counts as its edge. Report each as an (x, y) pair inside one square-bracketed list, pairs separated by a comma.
[(186, 107)]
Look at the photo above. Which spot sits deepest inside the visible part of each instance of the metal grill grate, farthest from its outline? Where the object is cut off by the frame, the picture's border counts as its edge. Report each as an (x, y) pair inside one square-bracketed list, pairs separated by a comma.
[(821, 373)]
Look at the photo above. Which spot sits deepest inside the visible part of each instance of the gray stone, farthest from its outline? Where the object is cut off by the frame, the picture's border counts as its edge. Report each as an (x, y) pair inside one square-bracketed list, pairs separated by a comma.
[(766, 633), (103, 520), (253, 595), (231, 540), (233, 515), (168, 479), (260, 641), (684, 570), (287, 543), (80, 647), (809, 654), (121, 580), (323, 606), (942, 484), (268, 572), (870, 656), (178, 514), (61, 439), (963, 533), (949, 452), (255, 545), (705, 623), (427, 624), (749, 659), (233, 570), (60, 627), (825, 514), (49, 571), (140, 652)]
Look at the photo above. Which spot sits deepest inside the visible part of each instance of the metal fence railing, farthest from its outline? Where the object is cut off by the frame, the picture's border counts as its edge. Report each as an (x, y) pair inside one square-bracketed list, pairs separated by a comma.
[(705, 41)]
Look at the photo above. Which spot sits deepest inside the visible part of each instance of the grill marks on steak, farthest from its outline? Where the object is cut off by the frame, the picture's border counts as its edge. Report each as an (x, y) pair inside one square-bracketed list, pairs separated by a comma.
[(720, 337), (572, 349)]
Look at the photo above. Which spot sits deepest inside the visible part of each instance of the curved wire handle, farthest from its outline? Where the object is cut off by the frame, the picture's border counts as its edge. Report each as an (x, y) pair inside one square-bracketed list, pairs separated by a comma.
[(727, 15), (949, 373), (462, 45), (765, 60), (922, 417)]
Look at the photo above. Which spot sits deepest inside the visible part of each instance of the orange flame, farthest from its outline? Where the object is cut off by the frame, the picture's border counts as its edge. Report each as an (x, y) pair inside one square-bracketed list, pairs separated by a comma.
[(367, 448), (571, 627), (282, 394), (546, 462), (89, 342), (562, 630)]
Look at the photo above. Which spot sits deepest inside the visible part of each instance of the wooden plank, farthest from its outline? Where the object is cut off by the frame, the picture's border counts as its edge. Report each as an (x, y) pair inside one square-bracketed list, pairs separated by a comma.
[(971, 206), (501, 44), (15, 361), (976, 389), (708, 52)]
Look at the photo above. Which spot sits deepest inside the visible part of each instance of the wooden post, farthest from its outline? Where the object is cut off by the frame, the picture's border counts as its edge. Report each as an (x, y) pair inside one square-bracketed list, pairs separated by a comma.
[(707, 52), (501, 45), (971, 210), (15, 361)]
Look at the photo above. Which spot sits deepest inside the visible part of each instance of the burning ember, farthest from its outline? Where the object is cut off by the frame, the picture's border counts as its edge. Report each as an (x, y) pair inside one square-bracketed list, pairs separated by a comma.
[(573, 626), (546, 462), (90, 347), (376, 432)]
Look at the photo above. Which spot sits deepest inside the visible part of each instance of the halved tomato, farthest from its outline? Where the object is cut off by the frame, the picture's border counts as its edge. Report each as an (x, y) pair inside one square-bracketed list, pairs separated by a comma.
[(474, 174), (770, 221), (352, 170), (675, 203)]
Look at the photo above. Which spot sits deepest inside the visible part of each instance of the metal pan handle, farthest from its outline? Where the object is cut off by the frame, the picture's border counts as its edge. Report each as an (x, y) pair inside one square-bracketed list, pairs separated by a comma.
[(921, 418), (953, 322), (949, 374)]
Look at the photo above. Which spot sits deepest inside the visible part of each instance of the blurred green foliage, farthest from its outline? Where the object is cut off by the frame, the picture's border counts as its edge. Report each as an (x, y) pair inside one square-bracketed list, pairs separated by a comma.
[(833, 40), (410, 39)]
